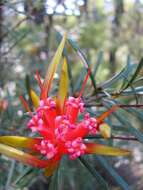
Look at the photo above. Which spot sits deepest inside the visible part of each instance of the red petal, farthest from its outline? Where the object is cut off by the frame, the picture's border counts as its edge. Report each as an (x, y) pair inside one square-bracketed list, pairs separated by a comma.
[(93, 148), (19, 141), (84, 83), (38, 79), (52, 69), (104, 115), (25, 105), (80, 131), (23, 157)]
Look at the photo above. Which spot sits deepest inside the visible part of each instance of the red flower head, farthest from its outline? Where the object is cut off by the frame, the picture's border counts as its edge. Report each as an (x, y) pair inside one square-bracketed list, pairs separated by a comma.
[(55, 121)]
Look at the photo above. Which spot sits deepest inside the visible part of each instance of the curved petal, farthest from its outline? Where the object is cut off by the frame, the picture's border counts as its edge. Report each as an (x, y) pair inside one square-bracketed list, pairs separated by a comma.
[(20, 142), (79, 131), (34, 97), (63, 85), (52, 68), (104, 115), (25, 105), (93, 148), (84, 83), (22, 156), (38, 78)]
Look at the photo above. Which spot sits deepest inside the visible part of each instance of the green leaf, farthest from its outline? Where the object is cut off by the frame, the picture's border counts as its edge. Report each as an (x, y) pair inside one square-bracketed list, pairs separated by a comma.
[(124, 72), (129, 126), (100, 180), (135, 74), (137, 113), (87, 66), (98, 62), (138, 80), (124, 121), (84, 61), (78, 84), (112, 172), (133, 90), (82, 57), (26, 172), (137, 90)]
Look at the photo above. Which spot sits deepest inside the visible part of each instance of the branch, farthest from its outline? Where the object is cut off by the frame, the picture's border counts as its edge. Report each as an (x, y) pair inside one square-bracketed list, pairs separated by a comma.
[(127, 138), (13, 28), (120, 105), (12, 46)]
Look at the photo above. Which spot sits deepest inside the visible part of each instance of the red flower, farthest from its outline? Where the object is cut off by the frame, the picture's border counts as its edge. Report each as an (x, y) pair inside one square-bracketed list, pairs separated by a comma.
[(56, 122), (61, 132)]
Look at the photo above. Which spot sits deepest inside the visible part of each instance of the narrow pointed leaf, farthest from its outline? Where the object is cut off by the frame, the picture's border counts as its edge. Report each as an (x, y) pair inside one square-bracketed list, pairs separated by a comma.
[(87, 66), (138, 80), (52, 68), (138, 69), (127, 124), (78, 84), (112, 172), (137, 113), (63, 86), (19, 142), (99, 179), (24, 174), (34, 98), (135, 132), (83, 58), (100, 149), (98, 62), (124, 72), (22, 156)]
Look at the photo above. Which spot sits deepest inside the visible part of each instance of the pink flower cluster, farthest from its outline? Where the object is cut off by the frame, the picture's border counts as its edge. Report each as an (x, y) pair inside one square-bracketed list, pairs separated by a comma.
[(62, 128), (76, 147), (47, 148)]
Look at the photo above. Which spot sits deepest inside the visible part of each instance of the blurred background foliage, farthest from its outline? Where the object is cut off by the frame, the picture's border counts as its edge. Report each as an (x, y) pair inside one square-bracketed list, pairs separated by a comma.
[(110, 34)]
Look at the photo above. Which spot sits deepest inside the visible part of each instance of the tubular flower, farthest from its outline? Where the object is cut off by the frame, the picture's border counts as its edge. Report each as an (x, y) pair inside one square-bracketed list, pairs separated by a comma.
[(61, 133), (56, 122)]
